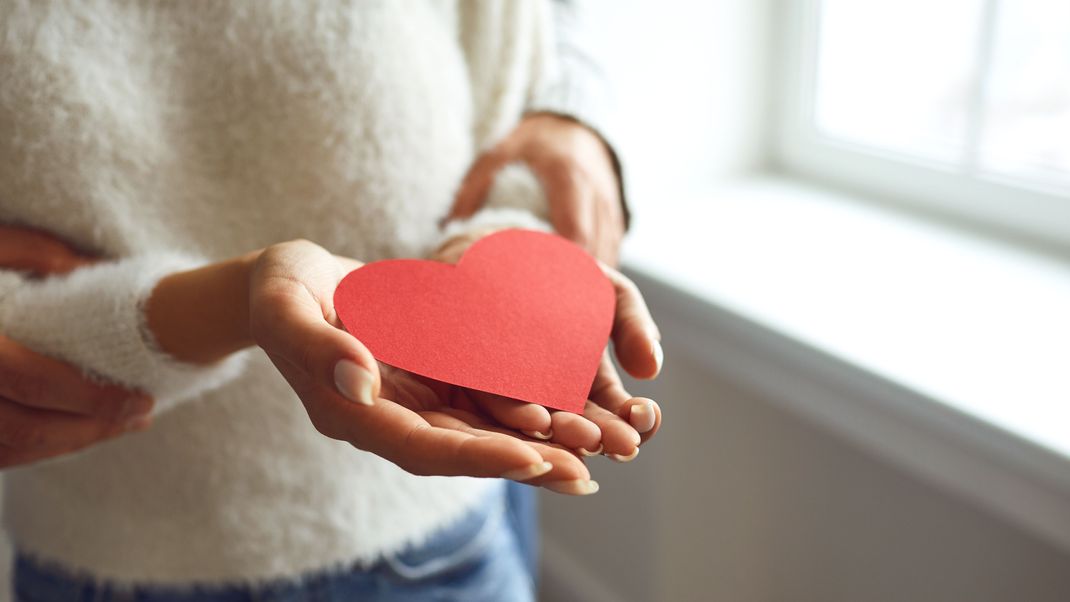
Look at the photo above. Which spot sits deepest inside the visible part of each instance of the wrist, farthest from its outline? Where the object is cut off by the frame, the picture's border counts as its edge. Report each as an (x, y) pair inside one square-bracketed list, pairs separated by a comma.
[(201, 316)]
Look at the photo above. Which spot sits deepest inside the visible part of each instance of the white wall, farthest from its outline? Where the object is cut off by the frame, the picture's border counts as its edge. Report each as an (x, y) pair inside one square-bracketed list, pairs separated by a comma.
[(737, 500), (689, 81)]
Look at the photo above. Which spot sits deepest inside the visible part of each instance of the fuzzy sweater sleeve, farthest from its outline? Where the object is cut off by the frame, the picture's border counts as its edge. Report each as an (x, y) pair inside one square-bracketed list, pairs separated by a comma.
[(516, 200), (575, 84), (94, 318)]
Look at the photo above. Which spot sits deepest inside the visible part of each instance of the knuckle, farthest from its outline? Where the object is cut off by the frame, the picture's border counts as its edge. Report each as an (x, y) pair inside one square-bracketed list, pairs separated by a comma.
[(409, 460), (308, 357)]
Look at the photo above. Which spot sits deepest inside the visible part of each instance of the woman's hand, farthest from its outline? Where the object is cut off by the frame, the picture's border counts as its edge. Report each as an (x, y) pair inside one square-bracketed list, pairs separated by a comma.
[(613, 423), (425, 427)]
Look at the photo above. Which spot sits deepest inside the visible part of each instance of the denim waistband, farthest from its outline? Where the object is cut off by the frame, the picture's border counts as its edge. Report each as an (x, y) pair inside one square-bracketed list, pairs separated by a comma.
[(443, 553)]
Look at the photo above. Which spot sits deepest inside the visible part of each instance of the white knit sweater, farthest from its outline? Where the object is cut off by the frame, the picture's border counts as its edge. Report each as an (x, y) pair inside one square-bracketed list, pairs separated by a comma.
[(165, 135)]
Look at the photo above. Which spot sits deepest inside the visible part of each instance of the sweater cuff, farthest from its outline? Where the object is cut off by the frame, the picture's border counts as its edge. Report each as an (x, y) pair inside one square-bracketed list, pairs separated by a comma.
[(516, 200), (94, 318)]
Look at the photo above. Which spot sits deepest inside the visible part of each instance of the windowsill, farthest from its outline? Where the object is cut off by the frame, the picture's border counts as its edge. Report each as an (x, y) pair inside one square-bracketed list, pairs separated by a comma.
[(966, 340)]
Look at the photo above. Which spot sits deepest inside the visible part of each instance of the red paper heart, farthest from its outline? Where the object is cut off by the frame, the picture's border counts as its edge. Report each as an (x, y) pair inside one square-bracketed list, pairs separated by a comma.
[(523, 314)]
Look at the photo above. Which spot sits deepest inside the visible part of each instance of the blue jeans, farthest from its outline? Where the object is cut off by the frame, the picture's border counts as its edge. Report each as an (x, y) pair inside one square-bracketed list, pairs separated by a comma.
[(479, 558)]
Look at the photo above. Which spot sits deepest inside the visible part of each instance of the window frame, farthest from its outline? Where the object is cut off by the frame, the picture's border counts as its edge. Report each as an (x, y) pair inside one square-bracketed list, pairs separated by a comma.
[(1025, 212)]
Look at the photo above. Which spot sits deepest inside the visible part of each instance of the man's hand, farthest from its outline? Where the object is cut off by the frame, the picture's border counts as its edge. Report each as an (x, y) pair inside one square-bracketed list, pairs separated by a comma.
[(575, 169), (49, 408)]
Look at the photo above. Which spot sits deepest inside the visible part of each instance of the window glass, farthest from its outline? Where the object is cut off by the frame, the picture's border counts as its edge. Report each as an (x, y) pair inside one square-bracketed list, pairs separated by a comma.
[(1026, 125), (898, 75)]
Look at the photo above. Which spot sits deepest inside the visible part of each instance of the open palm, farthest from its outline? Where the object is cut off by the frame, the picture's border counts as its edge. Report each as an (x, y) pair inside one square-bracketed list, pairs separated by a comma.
[(431, 428)]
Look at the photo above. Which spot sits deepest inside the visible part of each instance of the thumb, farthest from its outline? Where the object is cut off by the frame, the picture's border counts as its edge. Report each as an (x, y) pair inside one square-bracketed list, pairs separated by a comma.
[(473, 192), (292, 318)]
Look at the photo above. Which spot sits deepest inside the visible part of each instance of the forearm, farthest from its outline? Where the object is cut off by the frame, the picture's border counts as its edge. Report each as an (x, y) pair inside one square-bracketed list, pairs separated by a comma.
[(201, 316), (95, 318)]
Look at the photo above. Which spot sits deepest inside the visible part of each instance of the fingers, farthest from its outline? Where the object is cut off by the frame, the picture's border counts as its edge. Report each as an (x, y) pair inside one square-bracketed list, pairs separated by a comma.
[(431, 450), (41, 382), (528, 418), (577, 433), (644, 414), (625, 421), (568, 475), (620, 439), (451, 446), (451, 442), (404, 437), (37, 252), (636, 339), (446, 442), (609, 222), (568, 430), (29, 434), (477, 183), (292, 318), (404, 388), (425, 443), (571, 203)]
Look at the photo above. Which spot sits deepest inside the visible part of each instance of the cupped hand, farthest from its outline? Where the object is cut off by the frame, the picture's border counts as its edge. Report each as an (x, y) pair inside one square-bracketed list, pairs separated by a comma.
[(424, 427), (49, 408), (614, 422), (577, 171)]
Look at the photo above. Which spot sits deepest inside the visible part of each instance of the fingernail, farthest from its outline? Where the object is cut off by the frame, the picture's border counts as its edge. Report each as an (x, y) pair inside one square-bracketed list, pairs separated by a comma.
[(542, 436), (575, 487), (528, 472), (659, 356), (620, 458), (353, 382), (588, 454), (138, 423), (642, 417)]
